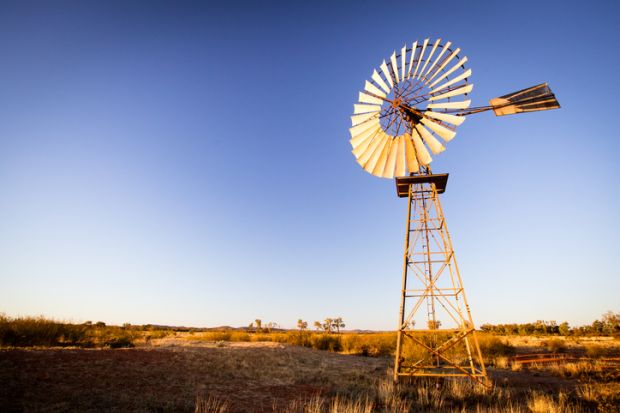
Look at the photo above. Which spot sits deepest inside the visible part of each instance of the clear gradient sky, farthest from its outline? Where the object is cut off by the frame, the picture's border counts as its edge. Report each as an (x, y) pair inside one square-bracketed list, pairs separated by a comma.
[(188, 163)]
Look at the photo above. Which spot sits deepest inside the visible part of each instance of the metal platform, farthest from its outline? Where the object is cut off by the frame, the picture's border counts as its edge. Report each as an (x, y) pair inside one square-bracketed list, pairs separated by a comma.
[(403, 183)]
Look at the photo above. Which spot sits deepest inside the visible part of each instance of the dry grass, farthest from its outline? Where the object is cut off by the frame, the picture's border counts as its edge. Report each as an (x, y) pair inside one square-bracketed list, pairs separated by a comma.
[(211, 404), (580, 369), (544, 403), (317, 404)]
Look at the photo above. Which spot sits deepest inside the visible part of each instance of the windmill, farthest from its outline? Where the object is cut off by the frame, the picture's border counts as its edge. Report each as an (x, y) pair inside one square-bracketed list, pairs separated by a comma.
[(410, 108)]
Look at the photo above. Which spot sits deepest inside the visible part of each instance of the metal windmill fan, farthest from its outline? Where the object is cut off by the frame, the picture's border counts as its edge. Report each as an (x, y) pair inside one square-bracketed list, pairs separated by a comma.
[(414, 103), (409, 109)]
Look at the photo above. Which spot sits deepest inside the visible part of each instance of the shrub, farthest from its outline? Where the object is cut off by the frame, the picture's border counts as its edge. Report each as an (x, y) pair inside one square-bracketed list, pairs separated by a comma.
[(326, 342), (124, 341), (374, 345), (38, 331), (492, 346), (595, 351), (555, 345)]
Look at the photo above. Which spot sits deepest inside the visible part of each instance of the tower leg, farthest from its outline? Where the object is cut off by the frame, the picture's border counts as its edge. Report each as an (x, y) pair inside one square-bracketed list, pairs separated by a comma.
[(436, 336)]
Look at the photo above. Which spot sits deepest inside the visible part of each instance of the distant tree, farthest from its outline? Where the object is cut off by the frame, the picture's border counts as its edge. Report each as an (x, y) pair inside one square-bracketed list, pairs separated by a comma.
[(564, 329), (251, 326), (328, 325), (526, 329), (434, 324), (318, 325), (338, 324), (259, 324), (540, 327), (100, 324), (302, 325), (270, 326), (598, 327), (487, 328), (611, 323)]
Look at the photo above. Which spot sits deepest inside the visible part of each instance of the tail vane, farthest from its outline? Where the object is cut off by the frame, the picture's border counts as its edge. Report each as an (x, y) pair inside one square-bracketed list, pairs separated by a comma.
[(532, 99)]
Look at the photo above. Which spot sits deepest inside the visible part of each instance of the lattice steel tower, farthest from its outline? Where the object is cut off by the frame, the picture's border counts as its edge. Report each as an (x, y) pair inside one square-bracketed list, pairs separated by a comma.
[(436, 333)]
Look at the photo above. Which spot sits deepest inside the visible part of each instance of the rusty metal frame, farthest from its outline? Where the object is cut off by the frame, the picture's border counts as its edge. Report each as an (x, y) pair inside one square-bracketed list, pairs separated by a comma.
[(429, 260)]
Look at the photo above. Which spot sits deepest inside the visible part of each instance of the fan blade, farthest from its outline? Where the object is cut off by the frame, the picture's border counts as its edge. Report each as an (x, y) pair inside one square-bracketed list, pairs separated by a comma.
[(463, 90), (390, 165), (449, 72), (357, 140), (452, 119), (357, 119), (372, 148), (443, 64), (377, 161), (414, 49), (357, 109), (450, 105), (357, 129), (420, 150), (394, 66), (401, 161), (533, 99), (377, 78), (445, 48), (420, 57), (435, 146), (362, 145), (430, 56), (387, 74), (403, 58), (363, 136), (442, 131), (462, 76), (363, 97), (412, 162), (369, 87)]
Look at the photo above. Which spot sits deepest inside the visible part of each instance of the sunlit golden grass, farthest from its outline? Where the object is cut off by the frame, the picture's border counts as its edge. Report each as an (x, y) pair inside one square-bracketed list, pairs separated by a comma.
[(603, 395), (544, 403), (318, 404), (575, 369), (211, 404)]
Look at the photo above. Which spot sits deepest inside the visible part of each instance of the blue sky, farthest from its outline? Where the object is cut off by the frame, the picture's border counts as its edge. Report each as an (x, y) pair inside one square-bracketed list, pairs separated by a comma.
[(188, 163)]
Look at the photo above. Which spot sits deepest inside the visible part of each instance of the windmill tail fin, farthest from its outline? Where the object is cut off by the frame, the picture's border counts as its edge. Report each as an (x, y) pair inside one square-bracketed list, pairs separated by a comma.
[(532, 99)]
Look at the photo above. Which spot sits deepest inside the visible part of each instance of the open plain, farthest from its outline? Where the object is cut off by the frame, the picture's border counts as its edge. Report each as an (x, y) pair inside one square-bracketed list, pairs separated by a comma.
[(185, 374)]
